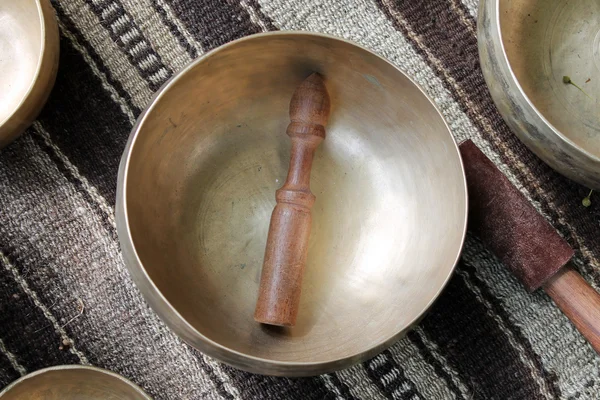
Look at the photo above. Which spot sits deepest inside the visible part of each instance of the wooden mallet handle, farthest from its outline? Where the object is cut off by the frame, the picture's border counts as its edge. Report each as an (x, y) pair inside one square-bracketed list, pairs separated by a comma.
[(578, 301), (289, 230)]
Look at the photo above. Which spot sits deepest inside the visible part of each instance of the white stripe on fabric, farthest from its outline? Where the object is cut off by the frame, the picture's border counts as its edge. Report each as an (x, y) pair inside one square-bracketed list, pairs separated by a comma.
[(331, 387), (359, 384), (12, 359), (158, 35), (9, 267), (182, 29), (131, 34), (108, 11), (401, 391), (119, 23), (114, 95), (422, 373), (148, 62), (472, 6), (254, 17), (535, 373), (140, 46), (435, 353), (376, 362), (113, 57), (561, 348), (388, 378), (455, 5), (89, 188), (159, 76)]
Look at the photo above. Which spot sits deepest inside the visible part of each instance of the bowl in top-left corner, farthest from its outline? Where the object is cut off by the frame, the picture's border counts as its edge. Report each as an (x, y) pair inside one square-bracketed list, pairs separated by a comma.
[(29, 50)]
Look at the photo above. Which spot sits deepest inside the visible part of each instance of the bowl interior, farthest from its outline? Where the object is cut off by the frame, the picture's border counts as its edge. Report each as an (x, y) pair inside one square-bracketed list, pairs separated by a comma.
[(20, 52), (388, 222), (546, 40), (73, 383)]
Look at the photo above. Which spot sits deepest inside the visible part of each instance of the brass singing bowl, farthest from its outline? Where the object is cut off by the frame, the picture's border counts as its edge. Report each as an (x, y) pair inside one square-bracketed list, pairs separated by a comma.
[(197, 186), (73, 382), (29, 49), (527, 47)]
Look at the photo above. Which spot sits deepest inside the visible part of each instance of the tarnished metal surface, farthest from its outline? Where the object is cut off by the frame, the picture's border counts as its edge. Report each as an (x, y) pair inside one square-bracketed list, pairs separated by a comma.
[(526, 49), (197, 186), (73, 382), (28, 62)]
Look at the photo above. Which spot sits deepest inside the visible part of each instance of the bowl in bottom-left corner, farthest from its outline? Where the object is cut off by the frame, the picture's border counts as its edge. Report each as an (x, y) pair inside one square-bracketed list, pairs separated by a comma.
[(73, 382)]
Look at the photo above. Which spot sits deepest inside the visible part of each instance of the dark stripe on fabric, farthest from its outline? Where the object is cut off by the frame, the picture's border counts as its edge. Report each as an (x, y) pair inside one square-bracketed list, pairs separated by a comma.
[(390, 377), (253, 386), (92, 142), (26, 332), (24, 329), (68, 24), (263, 17), (128, 36), (343, 388), (437, 366), (476, 347), (44, 280), (548, 376), (85, 123), (214, 22), (7, 373), (445, 37), (466, 14), (189, 48), (106, 223)]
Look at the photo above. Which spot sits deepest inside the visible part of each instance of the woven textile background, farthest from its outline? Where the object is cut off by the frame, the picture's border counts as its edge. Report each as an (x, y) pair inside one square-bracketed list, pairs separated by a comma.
[(485, 338)]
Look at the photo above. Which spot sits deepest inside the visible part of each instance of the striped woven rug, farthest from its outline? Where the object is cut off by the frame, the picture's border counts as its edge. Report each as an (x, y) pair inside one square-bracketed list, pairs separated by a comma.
[(62, 278)]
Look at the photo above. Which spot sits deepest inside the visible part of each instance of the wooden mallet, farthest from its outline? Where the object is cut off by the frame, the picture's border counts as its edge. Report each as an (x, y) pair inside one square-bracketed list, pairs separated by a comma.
[(526, 243), (289, 230)]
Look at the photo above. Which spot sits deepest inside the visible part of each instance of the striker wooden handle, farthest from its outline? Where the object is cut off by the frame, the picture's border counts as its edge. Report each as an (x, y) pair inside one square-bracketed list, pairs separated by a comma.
[(578, 301), (289, 230)]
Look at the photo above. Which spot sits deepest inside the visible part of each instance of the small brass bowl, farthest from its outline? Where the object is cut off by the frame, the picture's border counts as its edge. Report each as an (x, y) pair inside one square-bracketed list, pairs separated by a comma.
[(29, 49), (73, 382), (197, 186), (527, 48)]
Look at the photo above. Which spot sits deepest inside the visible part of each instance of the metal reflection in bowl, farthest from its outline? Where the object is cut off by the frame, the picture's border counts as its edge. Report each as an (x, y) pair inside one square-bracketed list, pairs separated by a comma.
[(197, 186)]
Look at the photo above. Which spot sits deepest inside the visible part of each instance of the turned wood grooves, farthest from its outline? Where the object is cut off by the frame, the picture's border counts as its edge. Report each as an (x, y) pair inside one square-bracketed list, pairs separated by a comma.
[(289, 229)]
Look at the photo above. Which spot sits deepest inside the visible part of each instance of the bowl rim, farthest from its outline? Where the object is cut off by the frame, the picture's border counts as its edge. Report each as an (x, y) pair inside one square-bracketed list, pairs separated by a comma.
[(528, 102), (69, 367), (38, 68), (214, 349)]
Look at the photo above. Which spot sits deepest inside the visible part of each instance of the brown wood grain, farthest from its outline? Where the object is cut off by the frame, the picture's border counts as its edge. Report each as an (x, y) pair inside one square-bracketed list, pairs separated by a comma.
[(578, 301), (289, 229)]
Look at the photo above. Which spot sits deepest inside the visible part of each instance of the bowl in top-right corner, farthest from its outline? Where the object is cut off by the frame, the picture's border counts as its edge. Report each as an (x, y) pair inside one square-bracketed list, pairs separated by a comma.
[(541, 61)]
